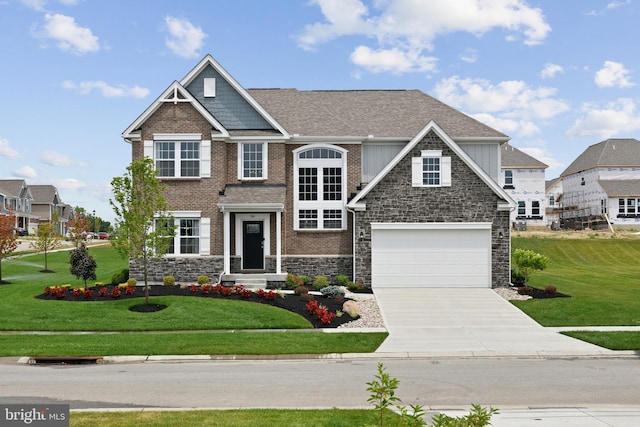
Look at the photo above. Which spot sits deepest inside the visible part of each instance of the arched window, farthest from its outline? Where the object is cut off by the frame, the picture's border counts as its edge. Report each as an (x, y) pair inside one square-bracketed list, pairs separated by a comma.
[(320, 188)]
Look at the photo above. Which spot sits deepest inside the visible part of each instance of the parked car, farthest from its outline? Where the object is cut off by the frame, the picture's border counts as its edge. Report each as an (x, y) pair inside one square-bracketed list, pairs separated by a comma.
[(20, 231), (103, 235)]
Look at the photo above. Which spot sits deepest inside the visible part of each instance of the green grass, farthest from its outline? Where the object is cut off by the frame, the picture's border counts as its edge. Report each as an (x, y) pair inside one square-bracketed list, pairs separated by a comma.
[(236, 418), (601, 276), (621, 340), (20, 311)]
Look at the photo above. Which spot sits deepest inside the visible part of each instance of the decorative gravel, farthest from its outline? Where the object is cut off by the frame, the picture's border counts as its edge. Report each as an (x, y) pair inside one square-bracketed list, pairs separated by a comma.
[(511, 294), (370, 316)]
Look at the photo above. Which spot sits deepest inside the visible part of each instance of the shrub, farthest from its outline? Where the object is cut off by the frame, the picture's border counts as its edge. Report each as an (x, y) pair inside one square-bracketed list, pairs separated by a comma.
[(132, 282), (517, 279), (120, 277), (307, 297), (332, 291), (305, 279), (169, 281), (550, 289), (355, 286), (116, 292), (525, 290), (320, 282), (342, 280), (301, 290), (292, 281), (202, 280), (529, 261)]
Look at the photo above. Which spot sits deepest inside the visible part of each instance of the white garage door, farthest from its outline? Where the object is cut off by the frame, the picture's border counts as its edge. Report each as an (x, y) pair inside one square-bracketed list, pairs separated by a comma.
[(431, 255)]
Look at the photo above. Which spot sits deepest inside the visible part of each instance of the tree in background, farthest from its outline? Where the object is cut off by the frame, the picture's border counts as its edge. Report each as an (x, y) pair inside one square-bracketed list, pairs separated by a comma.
[(529, 261), (83, 266), (8, 239), (78, 228), (47, 239), (139, 204), (96, 223)]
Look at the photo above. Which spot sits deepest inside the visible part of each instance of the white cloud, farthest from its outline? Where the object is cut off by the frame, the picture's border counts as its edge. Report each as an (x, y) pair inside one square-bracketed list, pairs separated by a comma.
[(412, 26), (394, 60), (34, 4), (68, 184), (613, 74), (69, 36), (25, 172), (108, 91), (6, 150), (469, 55), (539, 151), (512, 107), (53, 158), (185, 39), (619, 117), (550, 70)]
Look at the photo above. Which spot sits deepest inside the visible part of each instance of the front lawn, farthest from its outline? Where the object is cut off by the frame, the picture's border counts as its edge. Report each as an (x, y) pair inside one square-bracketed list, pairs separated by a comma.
[(21, 311)]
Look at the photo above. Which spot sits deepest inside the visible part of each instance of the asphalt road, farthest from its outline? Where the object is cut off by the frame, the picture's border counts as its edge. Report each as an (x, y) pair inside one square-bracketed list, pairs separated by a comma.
[(435, 383)]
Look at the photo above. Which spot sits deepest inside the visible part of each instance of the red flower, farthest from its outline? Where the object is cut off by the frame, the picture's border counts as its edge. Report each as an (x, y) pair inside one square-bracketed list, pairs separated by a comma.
[(129, 290), (102, 292), (88, 293), (115, 292)]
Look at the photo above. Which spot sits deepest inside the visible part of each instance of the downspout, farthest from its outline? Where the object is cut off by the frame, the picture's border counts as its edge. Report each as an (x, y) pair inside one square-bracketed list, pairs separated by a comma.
[(353, 241)]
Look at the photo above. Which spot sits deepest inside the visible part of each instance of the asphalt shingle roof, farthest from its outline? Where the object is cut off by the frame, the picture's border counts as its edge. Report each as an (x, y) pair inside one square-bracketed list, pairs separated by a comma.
[(612, 152), (381, 113), (621, 188), (513, 158), (258, 194)]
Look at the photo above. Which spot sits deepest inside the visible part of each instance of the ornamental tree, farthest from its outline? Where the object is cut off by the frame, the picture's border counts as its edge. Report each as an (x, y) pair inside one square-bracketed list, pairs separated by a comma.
[(78, 228), (83, 266), (8, 239), (143, 228), (528, 261), (47, 239)]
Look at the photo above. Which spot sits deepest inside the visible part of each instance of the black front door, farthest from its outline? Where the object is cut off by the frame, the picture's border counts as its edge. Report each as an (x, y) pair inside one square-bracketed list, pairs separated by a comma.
[(252, 245)]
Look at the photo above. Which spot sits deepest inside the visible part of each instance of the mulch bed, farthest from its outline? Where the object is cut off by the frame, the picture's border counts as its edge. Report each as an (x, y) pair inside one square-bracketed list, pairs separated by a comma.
[(291, 302), (542, 294)]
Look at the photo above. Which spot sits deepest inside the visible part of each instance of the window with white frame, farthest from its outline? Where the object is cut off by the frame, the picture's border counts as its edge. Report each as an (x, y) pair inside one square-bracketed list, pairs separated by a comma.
[(320, 177), (629, 206), (535, 208), (177, 158), (431, 169), (187, 238), (522, 208), (252, 160)]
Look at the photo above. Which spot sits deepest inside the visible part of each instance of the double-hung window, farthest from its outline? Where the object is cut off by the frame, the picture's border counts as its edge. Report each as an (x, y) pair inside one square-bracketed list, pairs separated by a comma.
[(180, 155), (187, 236), (522, 208), (431, 169), (252, 161), (508, 179), (177, 158), (320, 178)]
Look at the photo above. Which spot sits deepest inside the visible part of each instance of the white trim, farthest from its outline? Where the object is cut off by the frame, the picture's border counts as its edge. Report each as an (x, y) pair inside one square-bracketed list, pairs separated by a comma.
[(209, 89), (266, 233), (265, 157), (205, 158), (226, 237), (186, 214), (205, 236), (177, 137), (453, 146), (431, 225)]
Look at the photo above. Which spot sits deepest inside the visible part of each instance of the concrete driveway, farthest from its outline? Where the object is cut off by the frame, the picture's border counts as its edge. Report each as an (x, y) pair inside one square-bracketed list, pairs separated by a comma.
[(466, 321)]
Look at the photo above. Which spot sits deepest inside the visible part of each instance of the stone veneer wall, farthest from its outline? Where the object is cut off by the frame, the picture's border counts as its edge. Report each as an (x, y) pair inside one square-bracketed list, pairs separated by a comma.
[(468, 199), (329, 266)]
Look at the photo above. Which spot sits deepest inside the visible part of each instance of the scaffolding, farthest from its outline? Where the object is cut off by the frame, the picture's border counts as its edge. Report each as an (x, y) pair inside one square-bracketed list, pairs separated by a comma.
[(572, 212)]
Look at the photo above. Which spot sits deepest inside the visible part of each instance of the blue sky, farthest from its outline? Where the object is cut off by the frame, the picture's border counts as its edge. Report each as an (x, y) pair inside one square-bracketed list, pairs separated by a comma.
[(556, 76)]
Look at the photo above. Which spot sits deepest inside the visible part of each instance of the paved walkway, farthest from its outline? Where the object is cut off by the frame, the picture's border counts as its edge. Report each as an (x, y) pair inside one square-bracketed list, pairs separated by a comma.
[(467, 321)]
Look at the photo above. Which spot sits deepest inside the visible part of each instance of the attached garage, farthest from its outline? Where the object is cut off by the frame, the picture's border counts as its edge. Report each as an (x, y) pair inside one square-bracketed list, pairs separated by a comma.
[(431, 255)]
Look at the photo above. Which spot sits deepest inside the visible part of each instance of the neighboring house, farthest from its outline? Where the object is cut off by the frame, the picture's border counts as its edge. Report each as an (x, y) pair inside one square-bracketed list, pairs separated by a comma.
[(553, 192), (47, 206), (604, 181), (16, 199), (522, 177), (390, 187)]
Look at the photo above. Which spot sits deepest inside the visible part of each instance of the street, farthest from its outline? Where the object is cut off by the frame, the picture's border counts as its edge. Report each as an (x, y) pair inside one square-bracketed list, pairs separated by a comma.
[(435, 383)]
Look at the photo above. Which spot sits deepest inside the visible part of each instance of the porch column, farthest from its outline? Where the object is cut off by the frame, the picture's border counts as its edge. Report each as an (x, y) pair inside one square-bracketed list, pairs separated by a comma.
[(227, 242), (278, 242)]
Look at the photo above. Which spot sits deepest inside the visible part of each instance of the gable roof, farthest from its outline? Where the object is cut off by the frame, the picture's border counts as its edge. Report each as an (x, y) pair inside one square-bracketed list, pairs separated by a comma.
[(621, 188), (511, 157), (399, 114), (45, 195), (432, 126), (612, 152), (13, 187)]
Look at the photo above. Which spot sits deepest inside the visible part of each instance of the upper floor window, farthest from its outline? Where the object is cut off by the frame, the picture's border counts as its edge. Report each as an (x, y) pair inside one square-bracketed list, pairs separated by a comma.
[(180, 155), (431, 169), (508, 178), (252, 159), (320, 177)]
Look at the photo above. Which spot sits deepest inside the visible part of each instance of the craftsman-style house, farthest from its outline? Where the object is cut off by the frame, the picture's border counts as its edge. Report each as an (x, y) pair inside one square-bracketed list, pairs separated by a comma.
[(389, 187)]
